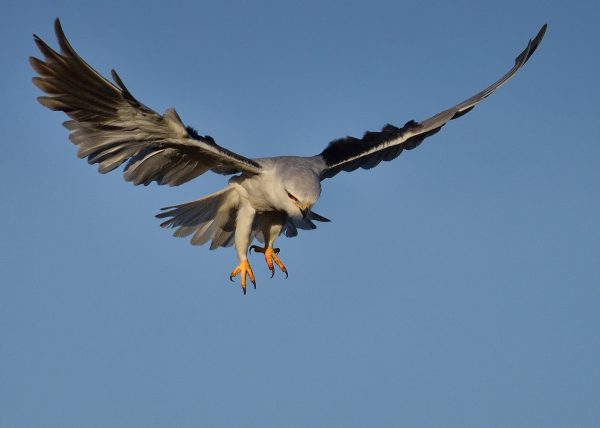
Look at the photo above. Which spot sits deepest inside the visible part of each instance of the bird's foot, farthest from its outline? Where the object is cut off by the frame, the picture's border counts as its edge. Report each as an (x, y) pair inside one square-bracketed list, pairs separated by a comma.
[(270, 257), (243, 269)]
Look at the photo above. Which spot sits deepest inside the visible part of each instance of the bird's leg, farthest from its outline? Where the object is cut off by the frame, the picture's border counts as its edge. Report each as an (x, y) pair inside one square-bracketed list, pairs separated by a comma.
[(272, 224), (244, 219), (270, 257)]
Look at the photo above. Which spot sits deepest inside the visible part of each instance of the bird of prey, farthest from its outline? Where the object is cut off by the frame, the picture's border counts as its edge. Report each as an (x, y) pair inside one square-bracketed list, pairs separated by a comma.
[(266, 197)]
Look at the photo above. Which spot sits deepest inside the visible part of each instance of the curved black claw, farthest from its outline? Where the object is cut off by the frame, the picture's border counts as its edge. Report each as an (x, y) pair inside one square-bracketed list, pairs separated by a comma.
[(231, 278), (270, 257)]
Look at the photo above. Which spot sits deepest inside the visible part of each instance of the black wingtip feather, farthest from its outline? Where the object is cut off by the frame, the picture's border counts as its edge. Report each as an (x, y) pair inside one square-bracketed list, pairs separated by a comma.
[(532, 45), (61, 37), (537, 40), (58, 30)]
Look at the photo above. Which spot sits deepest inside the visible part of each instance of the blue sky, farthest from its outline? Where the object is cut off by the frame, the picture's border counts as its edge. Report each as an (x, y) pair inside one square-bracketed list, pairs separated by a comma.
[(456, 286)]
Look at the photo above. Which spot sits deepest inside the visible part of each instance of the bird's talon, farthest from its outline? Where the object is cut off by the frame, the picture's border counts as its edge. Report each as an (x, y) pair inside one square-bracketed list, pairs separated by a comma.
[(271, 258), (244, 270)]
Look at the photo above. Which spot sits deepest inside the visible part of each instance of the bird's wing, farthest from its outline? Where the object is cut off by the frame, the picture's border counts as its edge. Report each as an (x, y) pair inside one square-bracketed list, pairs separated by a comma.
[(348, 154), (110, 126)]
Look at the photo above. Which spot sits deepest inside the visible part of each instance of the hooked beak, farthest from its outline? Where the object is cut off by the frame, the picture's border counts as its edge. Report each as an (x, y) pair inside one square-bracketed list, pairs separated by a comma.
[(304, 209)]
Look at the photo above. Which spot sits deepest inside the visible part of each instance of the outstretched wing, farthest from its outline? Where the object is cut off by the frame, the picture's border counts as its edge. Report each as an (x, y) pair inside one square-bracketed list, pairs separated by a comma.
[(348, 154), (110, 126)]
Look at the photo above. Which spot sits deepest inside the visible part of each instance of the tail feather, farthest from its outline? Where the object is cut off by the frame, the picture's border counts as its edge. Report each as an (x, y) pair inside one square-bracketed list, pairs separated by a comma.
[(209, 218), (204, 233)]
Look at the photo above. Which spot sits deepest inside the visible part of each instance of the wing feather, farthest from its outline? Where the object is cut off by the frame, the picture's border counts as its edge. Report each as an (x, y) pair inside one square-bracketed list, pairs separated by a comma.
[(348, 154), (111, 127)]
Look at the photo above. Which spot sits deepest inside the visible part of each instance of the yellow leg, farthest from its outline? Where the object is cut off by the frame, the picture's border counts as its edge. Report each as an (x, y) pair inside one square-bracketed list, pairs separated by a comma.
[(270, 257), (243, 269)]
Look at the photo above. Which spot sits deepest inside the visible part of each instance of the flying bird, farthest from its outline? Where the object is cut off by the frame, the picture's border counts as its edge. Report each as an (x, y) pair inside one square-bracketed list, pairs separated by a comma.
[(266, 197)]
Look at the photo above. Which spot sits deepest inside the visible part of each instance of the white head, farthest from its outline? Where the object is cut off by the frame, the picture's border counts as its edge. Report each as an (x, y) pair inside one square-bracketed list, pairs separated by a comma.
[(300, 189)]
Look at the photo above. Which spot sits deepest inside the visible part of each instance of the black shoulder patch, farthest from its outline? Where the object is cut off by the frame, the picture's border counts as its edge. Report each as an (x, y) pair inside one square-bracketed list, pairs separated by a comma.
[(349, 147), (196, 136)]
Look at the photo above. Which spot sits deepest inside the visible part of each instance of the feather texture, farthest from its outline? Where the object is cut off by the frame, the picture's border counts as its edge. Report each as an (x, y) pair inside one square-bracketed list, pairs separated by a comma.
[(348, 154), (111, 127)]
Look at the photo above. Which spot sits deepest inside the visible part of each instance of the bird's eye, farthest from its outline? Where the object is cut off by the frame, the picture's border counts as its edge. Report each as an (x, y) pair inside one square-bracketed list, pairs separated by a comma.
[(292, 197)]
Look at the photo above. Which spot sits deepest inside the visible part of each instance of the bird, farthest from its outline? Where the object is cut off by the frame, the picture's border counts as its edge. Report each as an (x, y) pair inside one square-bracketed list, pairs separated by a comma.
[(264, 197)]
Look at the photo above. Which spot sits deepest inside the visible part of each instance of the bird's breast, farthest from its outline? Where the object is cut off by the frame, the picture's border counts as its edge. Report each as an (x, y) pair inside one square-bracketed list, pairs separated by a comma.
[(258, 190)]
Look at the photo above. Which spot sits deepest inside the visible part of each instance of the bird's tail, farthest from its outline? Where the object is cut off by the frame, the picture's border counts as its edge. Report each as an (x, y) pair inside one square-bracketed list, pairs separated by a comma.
[(209, 218)]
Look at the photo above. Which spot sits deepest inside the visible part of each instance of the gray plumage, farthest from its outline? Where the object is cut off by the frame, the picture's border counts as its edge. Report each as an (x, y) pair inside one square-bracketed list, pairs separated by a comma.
[(266, 197)]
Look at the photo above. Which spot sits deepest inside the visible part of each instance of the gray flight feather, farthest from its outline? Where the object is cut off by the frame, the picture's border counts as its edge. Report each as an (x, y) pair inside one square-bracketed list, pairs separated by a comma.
[(111, 127)]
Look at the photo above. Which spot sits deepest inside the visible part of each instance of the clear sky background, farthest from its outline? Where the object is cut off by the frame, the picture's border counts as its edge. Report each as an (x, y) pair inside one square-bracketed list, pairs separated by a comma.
[(456, 286)]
